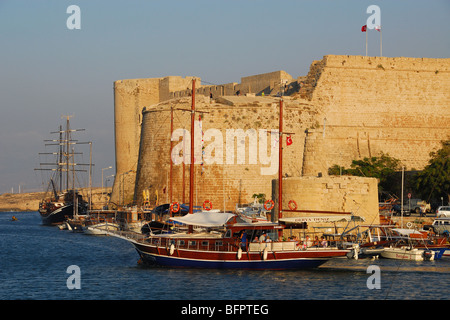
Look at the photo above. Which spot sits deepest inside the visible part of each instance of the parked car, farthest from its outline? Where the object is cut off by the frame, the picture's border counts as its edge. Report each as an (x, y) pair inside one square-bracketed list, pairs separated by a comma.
[(397, 210), (418, 206), (440, 226), (443, 211)]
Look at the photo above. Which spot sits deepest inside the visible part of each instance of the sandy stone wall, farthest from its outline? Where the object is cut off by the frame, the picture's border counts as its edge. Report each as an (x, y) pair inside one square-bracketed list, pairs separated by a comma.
[(369, 105), (345, 194), (129, 98), (239, 168)]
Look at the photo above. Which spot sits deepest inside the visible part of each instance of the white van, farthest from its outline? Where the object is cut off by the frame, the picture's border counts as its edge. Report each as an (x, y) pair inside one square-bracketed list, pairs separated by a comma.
[(443, 212)]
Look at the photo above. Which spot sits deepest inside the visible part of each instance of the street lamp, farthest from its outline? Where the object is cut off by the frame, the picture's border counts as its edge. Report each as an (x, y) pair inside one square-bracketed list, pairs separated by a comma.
[(106, 185), (110, 167)]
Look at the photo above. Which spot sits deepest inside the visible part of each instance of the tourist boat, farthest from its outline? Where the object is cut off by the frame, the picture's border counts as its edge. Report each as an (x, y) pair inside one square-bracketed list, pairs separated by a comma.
[(217, 241), (221, 240), (56, 210), (65, 203)]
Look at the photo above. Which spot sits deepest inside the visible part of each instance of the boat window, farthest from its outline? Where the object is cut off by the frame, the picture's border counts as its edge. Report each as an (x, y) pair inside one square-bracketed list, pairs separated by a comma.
[(219, 243), (181, 242), (205, 243), (192, 243), (228, 234)]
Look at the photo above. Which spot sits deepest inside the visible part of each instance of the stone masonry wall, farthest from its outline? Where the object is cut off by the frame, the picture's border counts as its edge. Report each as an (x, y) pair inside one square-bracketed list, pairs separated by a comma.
[(230, 181), (369, 105), (356, 195)]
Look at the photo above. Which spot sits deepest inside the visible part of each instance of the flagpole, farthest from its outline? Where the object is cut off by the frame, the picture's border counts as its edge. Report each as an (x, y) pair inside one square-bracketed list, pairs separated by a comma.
[(381, 43), (366, 42)]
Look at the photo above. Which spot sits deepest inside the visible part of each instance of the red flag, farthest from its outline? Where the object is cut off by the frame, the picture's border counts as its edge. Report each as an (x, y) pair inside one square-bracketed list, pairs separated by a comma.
[(288, 140), (364, 28)]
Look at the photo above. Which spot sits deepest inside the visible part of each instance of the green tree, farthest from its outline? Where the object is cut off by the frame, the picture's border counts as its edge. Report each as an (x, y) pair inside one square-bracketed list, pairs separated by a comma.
[(260, 196), (433, 181), (383, 168)]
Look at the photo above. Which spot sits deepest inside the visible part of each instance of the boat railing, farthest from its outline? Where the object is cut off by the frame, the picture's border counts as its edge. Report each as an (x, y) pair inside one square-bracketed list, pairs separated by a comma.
[(127, 235)]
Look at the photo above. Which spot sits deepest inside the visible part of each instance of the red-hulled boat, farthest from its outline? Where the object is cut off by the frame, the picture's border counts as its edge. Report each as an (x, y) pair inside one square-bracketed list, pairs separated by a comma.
[(222, 240)]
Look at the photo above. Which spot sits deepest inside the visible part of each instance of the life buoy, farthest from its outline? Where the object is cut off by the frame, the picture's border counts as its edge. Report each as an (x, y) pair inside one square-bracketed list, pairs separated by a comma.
[(175, 207), (409, 225), (239, 254), (171, 249), (272, 204), (204, 205), (265, 253), (292, 205)]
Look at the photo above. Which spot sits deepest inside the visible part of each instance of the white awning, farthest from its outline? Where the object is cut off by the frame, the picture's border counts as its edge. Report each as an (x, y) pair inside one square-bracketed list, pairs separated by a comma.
[(334, 218), (205, 219), (406, 232)]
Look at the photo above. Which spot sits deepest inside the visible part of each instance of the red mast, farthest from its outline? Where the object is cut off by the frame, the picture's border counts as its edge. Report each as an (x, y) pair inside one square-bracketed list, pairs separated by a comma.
[(191, 175), (280, 163)]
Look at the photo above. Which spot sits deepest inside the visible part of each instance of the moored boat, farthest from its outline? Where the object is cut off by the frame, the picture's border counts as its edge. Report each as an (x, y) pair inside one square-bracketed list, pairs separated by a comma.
[(64, 201), (102, 228), (55, 211), (407, 253), (221, 240)]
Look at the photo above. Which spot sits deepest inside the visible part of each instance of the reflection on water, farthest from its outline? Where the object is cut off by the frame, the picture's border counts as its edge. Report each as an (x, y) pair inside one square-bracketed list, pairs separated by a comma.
[(35, 258)]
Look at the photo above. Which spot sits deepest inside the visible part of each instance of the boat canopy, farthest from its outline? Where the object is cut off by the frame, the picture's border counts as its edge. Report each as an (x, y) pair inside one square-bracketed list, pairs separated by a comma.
[(407, 232), (333, 218), (205, 219)]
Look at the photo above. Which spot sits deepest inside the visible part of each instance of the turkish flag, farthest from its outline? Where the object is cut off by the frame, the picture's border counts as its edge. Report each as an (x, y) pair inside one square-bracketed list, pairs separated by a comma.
[(364, 28), (288, 140)]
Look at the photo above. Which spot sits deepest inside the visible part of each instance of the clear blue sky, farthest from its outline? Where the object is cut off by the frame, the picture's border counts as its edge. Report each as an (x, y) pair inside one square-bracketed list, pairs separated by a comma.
[(48, 70)]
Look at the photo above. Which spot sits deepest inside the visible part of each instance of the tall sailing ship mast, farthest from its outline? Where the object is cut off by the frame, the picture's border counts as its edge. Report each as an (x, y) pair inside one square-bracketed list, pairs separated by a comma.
[(65, 201)]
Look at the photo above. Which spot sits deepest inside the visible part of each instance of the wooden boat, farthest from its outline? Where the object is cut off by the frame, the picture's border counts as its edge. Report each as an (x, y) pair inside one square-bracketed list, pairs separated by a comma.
[(222, 240), (64, 202)]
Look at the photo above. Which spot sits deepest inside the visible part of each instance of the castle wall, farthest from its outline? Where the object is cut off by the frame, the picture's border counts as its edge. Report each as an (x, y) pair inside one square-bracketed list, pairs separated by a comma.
[(356, 195), (369, 105), (236, 164), (130, 96)]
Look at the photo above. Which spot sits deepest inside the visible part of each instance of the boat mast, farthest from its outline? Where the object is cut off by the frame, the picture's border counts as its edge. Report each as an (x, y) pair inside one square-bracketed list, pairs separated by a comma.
[(60, 159), (66, 152), (191, 174), (280, 166)]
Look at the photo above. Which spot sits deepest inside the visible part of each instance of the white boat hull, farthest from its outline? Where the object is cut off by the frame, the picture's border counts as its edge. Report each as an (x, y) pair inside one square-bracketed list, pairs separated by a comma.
[(405, 253), (101, 229)]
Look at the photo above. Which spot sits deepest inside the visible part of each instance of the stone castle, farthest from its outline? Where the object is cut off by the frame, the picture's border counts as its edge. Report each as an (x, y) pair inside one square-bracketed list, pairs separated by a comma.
[(345, 108)]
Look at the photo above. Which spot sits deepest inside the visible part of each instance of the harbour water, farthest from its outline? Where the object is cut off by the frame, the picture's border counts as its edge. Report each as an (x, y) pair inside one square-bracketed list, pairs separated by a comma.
[(35, 259)]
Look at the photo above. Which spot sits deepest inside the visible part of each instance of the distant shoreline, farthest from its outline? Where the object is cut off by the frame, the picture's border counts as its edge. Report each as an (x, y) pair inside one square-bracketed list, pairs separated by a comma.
[(29, 202)]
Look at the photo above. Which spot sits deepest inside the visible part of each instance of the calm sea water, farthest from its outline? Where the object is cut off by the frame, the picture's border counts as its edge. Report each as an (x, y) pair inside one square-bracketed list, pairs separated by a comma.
[(34, 261)]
